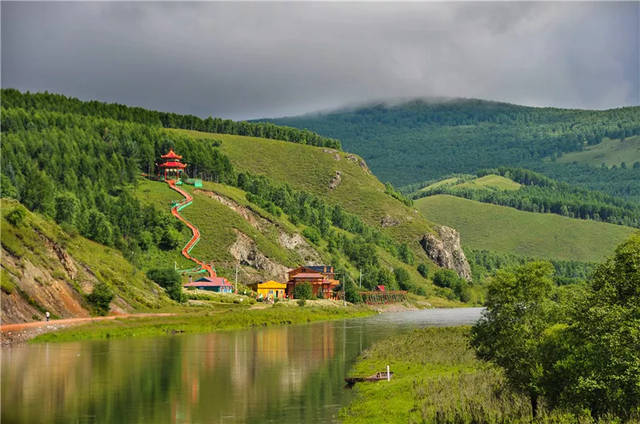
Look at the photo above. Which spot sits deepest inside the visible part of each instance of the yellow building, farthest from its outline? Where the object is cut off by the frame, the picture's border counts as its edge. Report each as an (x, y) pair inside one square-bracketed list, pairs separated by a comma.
[(269, 289)]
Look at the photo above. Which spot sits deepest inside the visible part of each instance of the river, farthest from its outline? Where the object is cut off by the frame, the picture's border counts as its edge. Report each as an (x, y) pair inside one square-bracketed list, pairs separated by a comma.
[(281, 375)]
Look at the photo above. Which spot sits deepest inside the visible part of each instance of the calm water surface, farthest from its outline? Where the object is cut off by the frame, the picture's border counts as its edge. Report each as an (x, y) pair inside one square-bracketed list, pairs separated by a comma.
[(274, 375)]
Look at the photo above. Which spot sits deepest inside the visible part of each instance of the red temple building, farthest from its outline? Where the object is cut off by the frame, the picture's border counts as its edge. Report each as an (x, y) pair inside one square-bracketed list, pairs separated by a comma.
[(321, 278), (172, 167)]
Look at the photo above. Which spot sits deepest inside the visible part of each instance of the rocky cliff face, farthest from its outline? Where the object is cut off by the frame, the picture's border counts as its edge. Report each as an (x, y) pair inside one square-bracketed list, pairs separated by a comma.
[(446, 251)]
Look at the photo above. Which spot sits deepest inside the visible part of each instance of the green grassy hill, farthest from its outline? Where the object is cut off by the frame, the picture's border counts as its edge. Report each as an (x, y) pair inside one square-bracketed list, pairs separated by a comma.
[(610, 152), (45, 268), (507, 230)]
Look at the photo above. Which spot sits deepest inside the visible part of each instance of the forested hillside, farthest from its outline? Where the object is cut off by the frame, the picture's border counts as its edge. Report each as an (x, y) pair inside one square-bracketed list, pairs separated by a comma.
[(81, 163), (421, 140)]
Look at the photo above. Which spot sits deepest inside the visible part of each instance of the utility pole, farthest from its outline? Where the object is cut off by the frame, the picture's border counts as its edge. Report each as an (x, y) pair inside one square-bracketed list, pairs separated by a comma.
[(360, 277)]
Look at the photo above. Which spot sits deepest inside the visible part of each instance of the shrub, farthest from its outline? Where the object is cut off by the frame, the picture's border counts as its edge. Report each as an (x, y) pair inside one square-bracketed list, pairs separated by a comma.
[(301, 302), (303, 291), (170, 239), (170, 280), (16, 216), (100, 297), (312, 234), (423, 270)]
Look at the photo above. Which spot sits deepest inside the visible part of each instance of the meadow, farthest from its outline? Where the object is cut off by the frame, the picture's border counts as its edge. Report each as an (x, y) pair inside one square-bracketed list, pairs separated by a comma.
[(438, 380), (610, 152), (507, 230)]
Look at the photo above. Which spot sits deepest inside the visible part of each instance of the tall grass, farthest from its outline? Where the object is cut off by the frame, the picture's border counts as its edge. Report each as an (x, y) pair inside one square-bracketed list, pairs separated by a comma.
[(438, 380)]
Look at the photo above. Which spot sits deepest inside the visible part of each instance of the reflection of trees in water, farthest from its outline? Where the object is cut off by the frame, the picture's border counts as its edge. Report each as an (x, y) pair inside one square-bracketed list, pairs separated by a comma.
[(176, 379)]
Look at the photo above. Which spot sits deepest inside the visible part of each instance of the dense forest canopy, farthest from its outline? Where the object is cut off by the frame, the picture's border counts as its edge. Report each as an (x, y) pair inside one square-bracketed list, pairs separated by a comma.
[(421, 140), (59, 103)]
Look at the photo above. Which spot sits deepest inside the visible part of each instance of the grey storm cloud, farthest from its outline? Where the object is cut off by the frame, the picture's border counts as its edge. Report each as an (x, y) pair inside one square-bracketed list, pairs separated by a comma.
[(248, 60)]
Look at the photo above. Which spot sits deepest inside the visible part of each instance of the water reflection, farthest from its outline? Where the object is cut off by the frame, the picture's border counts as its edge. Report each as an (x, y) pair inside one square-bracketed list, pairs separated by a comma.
[(288, 374)]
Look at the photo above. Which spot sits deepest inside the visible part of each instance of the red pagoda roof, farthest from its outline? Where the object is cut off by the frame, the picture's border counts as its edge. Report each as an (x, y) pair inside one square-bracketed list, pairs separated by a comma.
[(171, 164), (171, 155)]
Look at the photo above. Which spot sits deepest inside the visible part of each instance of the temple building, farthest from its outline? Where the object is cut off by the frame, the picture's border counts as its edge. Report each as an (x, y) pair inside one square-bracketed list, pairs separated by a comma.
[(321, 278), (214, 284), (171, 168)]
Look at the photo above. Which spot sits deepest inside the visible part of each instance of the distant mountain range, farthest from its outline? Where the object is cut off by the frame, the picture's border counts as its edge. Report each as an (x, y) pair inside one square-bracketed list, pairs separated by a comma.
[(406, 142)]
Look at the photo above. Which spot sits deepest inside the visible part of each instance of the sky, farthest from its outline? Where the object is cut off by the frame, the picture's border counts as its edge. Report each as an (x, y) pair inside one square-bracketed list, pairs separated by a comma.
[(251, 60)]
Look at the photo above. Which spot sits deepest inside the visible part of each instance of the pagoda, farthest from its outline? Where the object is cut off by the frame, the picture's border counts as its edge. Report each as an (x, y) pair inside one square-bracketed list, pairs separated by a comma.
[(172, 165)]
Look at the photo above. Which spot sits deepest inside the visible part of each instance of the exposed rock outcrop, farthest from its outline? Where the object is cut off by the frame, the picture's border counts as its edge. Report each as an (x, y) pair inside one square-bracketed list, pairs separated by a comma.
[(362, 163), (245, 251), (336, 180), (446, 251), (389, 221), (299, 244), (332, 152)]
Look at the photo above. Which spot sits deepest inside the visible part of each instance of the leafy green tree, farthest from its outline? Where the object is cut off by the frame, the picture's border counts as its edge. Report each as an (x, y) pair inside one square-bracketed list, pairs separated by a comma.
[(38, 194), (101, 297), (597, 363), (170, 239), (423, 270), (170, 280), (351, 292), (66, 206), (402, 278), (303, 291), (512, 329)]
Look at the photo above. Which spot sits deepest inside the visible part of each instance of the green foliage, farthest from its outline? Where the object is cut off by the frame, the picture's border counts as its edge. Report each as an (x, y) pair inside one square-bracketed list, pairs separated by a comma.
[(423, 270), (596, 364), (301, 302), (170, 239), (16, 216), (402, 278), (391, 191), (69, 105), (170, 280), (303, 291), (101, 297), (7, 283), (66, 207), (351, 293), (537, 193), (465, 135), (511, 330), (312, 235), (506, 230)]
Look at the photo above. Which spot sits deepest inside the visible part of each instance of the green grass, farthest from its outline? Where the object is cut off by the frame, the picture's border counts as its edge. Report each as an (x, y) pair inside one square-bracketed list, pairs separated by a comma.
[(437, 380), (311, 168), (507, 230), (491, 181), (609, 151), (28, 242), (223, 318)]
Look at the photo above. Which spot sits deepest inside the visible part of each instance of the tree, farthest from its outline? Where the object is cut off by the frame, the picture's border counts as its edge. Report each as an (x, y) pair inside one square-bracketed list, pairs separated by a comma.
[(101, 297), (511, 330), (423, 270), (38, 194), (170, 280), (598, 364), (170, 239), (402, 278), (66, 206), (303, 291)]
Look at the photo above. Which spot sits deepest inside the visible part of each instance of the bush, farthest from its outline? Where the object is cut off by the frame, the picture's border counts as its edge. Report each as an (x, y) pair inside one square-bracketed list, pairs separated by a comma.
[(423, 270), (351, 294), (402, 278), (16, 216), (101, 297), (301, 302), (303, 291), (170, 239), (312, 234), (446, 278), (170, 280)]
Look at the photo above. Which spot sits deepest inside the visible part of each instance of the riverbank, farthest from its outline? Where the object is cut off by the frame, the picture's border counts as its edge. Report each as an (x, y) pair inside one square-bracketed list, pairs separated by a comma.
[(210, 320), (436, 380)]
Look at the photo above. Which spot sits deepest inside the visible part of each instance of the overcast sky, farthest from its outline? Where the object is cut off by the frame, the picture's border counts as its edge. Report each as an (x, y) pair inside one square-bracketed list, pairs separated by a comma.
[(249, 60)]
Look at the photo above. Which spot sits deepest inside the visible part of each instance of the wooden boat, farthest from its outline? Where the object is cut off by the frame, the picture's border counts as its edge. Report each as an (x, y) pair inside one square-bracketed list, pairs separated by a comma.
[(379, 376)]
